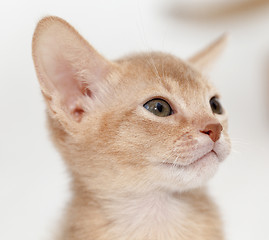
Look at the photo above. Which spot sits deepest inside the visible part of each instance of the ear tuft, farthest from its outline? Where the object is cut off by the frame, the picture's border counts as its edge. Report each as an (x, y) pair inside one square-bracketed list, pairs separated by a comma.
[(70, 71)]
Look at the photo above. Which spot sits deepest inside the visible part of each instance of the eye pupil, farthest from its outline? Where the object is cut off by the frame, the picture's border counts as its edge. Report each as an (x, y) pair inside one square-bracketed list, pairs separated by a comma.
[(214, 105), (159, 106)]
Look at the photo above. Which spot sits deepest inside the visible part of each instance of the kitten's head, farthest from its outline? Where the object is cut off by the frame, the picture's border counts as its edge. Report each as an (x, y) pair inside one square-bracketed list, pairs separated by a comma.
[(143, 122)]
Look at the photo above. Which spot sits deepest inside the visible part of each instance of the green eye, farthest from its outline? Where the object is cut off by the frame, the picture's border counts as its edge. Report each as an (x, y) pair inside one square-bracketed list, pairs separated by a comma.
[(216, 106), (158, 107)]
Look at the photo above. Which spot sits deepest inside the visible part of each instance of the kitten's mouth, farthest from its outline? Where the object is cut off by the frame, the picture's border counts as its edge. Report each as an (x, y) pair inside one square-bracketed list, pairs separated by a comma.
[(210, 155)]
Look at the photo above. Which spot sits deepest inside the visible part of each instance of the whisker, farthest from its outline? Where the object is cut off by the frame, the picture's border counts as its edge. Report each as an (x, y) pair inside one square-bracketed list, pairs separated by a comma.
[(151, 62), (235, 151), (166, 156), (233, 141)]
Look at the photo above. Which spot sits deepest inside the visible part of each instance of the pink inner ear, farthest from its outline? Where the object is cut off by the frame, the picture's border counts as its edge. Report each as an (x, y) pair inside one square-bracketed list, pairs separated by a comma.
[(64, 80), (67, 67)]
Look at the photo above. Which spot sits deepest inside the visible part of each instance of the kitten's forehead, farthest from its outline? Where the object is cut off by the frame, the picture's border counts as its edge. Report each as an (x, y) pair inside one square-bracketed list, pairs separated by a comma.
[(164, 71)]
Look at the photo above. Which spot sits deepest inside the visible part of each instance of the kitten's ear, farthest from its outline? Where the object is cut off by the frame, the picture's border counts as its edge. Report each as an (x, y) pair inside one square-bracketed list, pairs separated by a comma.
[(204, 59), (71, 73)]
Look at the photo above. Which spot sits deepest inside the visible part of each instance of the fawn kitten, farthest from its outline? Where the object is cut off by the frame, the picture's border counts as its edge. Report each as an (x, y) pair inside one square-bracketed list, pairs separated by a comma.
[(140, 136)]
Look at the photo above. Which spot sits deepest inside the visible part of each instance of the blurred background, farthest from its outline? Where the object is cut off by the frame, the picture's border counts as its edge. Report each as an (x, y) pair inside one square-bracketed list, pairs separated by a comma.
[(33, 180)]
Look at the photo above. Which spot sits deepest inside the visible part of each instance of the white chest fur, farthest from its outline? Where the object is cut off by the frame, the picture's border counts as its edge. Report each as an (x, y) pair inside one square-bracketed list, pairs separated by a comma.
[(158, 216)]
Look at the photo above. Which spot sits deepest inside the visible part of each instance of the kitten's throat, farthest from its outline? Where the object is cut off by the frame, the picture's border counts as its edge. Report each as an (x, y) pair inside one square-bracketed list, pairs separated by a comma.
[(157, 214)]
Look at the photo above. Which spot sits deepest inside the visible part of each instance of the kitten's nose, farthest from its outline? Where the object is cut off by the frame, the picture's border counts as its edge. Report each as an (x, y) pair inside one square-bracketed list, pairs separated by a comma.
[(213, 131)]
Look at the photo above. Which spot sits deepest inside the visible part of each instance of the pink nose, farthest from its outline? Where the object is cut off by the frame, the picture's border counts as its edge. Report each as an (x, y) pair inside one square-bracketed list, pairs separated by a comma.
[(213, 131)]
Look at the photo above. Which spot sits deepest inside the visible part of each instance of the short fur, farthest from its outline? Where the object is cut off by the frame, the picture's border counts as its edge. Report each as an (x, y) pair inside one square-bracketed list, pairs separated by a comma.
[(135, 176)]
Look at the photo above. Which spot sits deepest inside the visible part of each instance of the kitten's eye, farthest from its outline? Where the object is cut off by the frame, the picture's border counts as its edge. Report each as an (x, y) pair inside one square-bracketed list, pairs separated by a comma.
[(216, 106), (158, 107)]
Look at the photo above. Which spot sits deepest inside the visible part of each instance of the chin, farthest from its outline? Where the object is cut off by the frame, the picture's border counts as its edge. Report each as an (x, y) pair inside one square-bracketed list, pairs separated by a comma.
[(196, 174)]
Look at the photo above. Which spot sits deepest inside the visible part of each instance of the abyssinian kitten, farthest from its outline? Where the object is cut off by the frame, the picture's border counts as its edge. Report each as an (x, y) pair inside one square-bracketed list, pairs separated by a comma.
[(140, 136)]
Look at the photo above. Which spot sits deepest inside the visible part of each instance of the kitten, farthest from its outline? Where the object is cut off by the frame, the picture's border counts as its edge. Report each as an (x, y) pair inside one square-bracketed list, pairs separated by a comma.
[(140, 136)]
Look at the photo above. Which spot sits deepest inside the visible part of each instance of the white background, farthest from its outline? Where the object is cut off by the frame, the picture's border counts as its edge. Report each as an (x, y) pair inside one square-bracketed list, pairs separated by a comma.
[(33, 180)]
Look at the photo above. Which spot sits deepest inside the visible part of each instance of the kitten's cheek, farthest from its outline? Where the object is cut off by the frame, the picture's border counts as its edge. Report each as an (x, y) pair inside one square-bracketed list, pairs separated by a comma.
[(222, 148)]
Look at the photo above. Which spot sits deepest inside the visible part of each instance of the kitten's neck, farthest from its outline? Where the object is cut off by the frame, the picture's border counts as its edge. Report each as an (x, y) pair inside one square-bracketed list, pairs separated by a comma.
[(158, 215), (146, 215)]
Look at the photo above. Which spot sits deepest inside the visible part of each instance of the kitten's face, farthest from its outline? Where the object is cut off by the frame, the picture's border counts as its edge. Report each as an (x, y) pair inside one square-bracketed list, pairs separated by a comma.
[(124, 141), (173, 151)]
